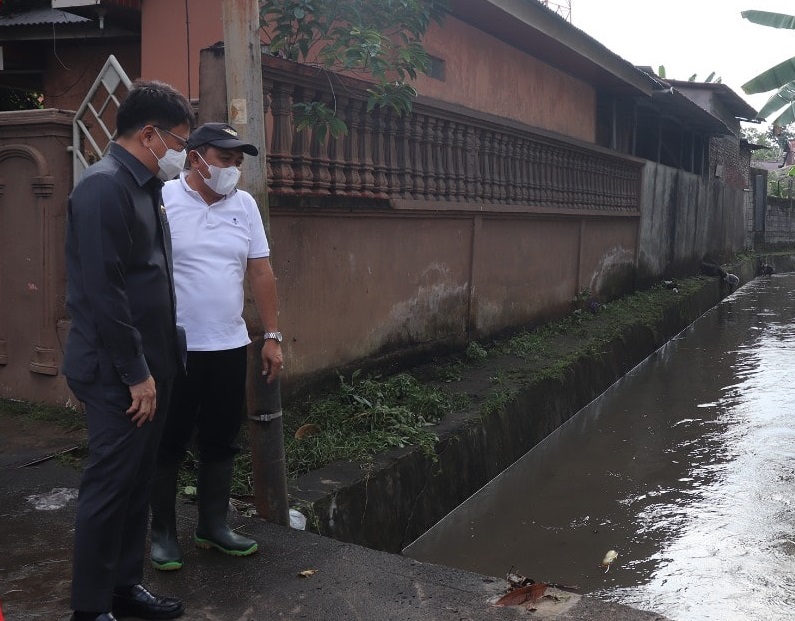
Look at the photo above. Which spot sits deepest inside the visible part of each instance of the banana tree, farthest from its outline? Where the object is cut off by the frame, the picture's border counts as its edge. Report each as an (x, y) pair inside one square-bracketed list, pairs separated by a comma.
[(781, 77)]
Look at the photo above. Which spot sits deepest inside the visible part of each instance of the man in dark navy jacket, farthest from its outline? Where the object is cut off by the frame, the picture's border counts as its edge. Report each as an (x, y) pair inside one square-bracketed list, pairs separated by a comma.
[(124, 348)]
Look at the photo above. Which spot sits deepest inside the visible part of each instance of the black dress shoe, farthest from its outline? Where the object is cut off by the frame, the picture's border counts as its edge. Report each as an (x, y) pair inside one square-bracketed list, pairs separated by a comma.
[(105, 616), (136, 601)]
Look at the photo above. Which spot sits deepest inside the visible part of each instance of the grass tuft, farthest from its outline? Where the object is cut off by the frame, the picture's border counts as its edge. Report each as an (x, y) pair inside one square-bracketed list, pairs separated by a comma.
[(367, 416)]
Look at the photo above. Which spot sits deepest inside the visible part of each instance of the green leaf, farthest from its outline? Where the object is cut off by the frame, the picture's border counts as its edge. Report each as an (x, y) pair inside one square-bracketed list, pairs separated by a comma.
[(774, 20), (378, 37), (774, 77), (363, 401), (787, 116), (782, 97), (337, 127)]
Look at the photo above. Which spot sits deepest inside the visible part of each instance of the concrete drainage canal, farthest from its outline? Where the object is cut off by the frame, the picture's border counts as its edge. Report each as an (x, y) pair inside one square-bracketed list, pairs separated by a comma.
[(685, 467)]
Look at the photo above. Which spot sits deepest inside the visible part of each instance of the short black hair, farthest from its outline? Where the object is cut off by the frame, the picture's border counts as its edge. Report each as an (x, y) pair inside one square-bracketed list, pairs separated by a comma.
[(155, 103)]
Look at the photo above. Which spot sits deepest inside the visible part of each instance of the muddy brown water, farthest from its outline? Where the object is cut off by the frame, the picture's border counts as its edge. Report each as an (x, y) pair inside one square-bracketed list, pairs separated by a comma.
[(685, 467)]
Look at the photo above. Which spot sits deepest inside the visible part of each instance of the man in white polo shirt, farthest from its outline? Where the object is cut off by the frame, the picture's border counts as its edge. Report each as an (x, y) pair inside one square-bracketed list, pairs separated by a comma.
[(218, 239)]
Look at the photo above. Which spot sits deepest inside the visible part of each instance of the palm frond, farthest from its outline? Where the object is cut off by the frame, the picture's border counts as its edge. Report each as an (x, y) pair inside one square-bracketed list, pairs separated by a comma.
[(782, 97), (786, 117), (781, 74), (774, 20)]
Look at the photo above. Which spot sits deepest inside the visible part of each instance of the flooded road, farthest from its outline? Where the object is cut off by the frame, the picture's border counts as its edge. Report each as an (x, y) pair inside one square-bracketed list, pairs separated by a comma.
[(685, 467)]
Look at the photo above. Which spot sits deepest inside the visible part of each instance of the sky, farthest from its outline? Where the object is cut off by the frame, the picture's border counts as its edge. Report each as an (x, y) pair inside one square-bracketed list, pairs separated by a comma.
[(690, 36)]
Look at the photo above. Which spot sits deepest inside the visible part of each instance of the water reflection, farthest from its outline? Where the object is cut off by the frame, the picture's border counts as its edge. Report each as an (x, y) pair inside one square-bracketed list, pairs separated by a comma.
[(686, 467)]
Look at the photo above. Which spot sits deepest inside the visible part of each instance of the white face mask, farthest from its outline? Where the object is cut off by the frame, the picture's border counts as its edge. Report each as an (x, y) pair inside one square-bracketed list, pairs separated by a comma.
[(222, 180), (172, 163)]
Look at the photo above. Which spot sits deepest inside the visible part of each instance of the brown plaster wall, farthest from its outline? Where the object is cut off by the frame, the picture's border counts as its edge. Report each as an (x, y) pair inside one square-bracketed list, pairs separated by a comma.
[(608, 254), (369, 285), (35, 174), (486, 74), (353, 286), (65, 89), (526, 270)]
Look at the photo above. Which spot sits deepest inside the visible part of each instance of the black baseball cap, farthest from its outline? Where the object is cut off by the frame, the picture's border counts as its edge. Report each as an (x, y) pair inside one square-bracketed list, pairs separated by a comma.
[(219, 135)]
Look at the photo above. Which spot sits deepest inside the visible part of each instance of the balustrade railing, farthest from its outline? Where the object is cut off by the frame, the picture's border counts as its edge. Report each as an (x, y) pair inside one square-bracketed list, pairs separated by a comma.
[(438, 153)]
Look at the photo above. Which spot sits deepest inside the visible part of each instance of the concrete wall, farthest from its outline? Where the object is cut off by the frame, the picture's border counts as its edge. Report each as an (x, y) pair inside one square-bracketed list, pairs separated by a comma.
[(779, 222), (401, 284), (685, 217), (748, 218)]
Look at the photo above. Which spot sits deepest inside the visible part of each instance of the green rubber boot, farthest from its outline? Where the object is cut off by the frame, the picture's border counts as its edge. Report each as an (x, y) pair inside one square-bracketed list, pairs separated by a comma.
[(165, 553), (214, 486)]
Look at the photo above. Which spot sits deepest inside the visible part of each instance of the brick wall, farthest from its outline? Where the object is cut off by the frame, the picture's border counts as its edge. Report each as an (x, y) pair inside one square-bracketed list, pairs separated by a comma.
[(724, 152)]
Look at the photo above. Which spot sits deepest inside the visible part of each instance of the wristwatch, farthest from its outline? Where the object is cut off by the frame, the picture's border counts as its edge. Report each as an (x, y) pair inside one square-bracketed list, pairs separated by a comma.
[(276, 336)]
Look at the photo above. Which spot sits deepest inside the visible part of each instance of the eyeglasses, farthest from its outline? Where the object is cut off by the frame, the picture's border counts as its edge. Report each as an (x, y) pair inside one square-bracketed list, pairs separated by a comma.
[(182, 141)]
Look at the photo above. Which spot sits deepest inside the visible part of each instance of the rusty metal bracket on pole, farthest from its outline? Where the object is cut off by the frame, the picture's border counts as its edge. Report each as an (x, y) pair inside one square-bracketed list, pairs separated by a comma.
[(264, 418)]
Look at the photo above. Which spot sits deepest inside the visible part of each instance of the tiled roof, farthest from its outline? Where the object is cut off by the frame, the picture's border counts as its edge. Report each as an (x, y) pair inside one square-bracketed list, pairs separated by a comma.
[(39, 17)]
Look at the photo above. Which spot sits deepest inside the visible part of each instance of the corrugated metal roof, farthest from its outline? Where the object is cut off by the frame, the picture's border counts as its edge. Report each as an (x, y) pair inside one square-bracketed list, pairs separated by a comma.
[(39, 17), (689, 113), (740, 108)]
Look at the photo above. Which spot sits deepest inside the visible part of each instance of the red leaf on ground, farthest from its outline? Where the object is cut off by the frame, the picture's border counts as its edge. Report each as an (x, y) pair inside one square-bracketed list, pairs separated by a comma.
[(517, 597)]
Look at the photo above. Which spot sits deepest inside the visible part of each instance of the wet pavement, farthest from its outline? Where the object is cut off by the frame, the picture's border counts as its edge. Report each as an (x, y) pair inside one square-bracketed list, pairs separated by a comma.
[(685, 467), (37, 505)]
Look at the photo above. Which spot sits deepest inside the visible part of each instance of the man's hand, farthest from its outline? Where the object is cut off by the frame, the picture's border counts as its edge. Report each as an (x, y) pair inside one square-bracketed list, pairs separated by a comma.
[(272, 360), (144, 401)]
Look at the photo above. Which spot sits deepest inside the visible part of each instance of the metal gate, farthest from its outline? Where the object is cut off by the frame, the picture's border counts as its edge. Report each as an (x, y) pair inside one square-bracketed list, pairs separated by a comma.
[(94, 125)]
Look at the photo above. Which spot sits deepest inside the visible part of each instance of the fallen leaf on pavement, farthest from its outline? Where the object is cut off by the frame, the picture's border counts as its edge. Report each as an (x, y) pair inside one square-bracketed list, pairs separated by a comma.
[(517, 597), (307, 572)]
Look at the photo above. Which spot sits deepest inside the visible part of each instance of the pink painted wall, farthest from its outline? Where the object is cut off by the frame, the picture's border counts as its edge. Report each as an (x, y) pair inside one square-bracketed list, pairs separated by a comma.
[(482, 72), (488, 75), (166, 30)]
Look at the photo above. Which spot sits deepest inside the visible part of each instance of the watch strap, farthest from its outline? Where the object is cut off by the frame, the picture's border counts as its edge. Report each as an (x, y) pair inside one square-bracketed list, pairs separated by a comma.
[(276, 336)]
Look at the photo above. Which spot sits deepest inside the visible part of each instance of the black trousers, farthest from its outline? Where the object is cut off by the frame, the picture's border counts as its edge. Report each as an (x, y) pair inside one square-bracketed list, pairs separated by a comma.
[(209, 398), (113, 503)]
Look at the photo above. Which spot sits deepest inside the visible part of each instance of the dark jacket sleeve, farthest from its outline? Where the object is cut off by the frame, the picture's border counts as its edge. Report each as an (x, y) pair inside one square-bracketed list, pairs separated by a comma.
[(103, 220)]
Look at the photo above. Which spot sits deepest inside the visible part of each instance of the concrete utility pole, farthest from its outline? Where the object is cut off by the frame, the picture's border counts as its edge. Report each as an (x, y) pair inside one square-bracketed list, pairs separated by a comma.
[(245, 105), (243, 63)]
